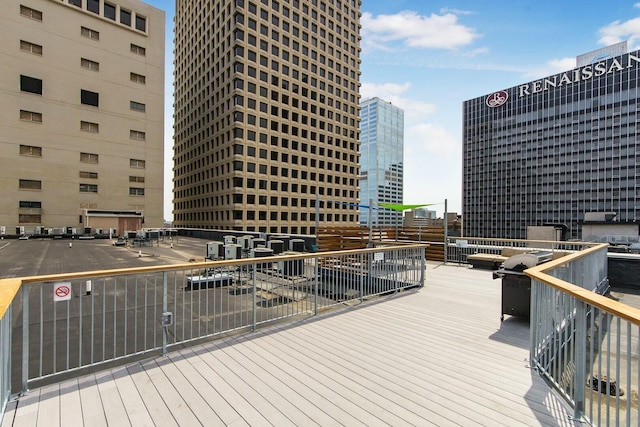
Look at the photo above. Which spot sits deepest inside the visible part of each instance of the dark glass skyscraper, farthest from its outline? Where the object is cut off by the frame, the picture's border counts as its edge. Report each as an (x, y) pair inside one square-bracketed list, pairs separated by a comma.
[(548, 151)]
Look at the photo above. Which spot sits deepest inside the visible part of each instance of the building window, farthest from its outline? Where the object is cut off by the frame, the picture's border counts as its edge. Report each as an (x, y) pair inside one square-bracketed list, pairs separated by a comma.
[(30, 116), (141, 23), (89, 158), (76, 2), (137, 106), (136, 163), (125, 17), (30, 205), (89, 33), (89, 98), (93, 6), (30, 84), (28, 150), (29, 219), (26, 46), (137, 78), (89, 64), (30, 184), (138, 50), (136, 191), (89, 175), (136, 178), (89, 127), (109, 11), (88, 188), (137, 135), (30, 13)]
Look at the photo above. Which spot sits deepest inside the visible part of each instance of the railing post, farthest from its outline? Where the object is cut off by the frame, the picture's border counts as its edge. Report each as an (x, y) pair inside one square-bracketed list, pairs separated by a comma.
[(581, 360), (25, 338), (361, 290), (254, 298), (164, 310), (423, 266), (315, 286), (446, 249)]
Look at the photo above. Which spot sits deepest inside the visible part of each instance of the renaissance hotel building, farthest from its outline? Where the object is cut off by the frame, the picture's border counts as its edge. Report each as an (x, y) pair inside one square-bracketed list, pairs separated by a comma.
[(547, 152)]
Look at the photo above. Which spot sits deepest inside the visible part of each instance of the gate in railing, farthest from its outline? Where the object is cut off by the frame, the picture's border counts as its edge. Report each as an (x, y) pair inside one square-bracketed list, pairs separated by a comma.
[(106, 316)]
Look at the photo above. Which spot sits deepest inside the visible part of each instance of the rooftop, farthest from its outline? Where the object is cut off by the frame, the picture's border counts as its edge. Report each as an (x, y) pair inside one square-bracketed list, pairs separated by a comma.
[(438, 355)]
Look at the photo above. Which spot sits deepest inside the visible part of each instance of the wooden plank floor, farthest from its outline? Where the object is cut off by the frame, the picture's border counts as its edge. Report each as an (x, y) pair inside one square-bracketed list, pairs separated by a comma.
[(434, 356)]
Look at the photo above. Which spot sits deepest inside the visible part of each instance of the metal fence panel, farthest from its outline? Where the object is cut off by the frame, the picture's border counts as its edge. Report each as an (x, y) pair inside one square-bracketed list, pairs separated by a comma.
[(113, 316), (588, 354)]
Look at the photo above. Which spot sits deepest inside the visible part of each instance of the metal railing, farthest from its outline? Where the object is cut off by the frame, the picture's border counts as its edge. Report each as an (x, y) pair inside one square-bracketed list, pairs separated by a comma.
[(8, 289), (107, 316), (584, 343), (459, 248)]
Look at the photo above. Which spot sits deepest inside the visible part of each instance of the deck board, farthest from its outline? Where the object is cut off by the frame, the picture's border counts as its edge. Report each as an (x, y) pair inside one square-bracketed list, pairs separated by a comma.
[(435, 356)]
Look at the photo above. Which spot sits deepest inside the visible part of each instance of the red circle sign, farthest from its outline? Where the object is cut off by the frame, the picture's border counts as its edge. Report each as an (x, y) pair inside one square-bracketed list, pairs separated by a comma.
[(62, 291)]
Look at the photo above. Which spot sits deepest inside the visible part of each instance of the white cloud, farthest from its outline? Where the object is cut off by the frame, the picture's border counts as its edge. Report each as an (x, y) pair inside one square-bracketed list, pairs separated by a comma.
[(424, 140), (392, 92), (416, 31), (475, 52), (637, 5), (618, 31), (455, 11), (553, 66)]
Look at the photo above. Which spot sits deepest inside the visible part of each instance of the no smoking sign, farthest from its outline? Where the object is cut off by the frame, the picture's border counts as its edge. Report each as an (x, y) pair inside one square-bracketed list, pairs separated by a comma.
[(62, 291)]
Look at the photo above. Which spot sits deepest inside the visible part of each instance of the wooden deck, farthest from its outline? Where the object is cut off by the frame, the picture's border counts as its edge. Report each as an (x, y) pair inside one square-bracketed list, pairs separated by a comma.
[(434, 356)]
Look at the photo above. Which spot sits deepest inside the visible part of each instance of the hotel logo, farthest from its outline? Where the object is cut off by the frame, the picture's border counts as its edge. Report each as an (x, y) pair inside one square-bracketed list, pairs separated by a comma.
[(497, 99)]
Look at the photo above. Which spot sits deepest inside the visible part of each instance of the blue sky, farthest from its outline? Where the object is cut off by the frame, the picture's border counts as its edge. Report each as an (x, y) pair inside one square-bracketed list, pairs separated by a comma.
[(427, 57)]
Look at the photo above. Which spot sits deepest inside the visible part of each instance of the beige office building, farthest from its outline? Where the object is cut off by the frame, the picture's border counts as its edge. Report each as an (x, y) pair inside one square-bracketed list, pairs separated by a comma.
[(266, 114), (81, 114)]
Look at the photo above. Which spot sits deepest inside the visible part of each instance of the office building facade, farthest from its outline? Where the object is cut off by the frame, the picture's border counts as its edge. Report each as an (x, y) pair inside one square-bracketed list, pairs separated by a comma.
[(547, 152), (266, 114), (381, 161), (81, 113)]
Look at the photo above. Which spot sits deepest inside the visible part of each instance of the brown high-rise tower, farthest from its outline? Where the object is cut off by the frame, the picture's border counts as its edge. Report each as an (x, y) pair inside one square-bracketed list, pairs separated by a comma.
[(266, 114)]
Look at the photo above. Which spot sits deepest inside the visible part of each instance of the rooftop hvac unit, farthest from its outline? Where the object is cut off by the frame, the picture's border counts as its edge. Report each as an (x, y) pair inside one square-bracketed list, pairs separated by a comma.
[(230, 240), (296, 245), (283, 239), (276, 245), (261, 253), (258, 243), (215, 250), (245, 242), (232, 251), (294, 267)]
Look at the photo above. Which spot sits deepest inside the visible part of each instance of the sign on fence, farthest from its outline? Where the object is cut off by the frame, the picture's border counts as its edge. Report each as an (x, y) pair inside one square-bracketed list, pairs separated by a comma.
[(62, 291)]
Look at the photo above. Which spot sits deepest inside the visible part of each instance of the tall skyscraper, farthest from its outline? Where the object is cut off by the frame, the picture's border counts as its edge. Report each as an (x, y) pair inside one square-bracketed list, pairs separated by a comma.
[(266, 114), (550, 151), (381, 157), (81, 113)]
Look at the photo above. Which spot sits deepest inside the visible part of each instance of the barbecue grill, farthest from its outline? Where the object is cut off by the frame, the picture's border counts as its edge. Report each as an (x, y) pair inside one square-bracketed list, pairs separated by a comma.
[(516, 286)]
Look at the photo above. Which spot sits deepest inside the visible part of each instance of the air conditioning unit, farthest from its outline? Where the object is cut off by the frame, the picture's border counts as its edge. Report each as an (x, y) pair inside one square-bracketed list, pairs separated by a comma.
[(230, 240), (276, 245), (296, 245), (215, 250), (246, 242), (232, 251)]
